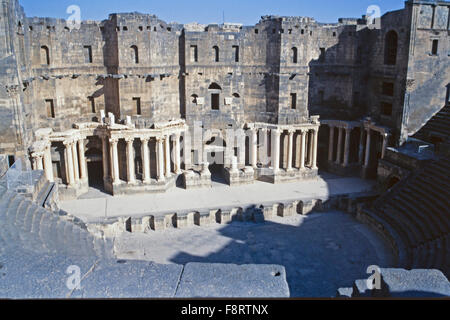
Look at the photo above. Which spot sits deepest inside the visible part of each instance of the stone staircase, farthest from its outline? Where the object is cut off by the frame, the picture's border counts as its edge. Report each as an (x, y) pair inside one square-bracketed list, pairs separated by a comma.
[(415, 218)]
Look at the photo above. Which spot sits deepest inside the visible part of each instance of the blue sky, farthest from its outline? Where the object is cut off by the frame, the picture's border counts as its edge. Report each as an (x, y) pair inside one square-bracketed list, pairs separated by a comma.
[(247, 12)]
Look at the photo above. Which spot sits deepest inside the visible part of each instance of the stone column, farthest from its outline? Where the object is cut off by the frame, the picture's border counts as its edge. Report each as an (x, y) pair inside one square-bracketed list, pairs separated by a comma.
[(105, 158), (315, 144), (367, 161), (145, 160), (276, 150), (303, 149), (290, 149), (48, 165), (177, 153), (339, 146), (76, 168), (361, 147), (81, 150), (40, 165), (130, 161), (115, 161), (160, 156), (69, 163), (311, 148), (167, 156), (348, 132), (187, 150), (385, 141), (331, 145), (264, 148), (254, 148), (240, 140)]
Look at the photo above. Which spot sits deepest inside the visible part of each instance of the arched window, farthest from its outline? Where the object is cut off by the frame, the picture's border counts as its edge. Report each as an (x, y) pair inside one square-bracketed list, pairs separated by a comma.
[(216, 54), (236, 95), (214, 86), (294, 55), (194, 98), (135, 54), (45, 56), (390, 48)]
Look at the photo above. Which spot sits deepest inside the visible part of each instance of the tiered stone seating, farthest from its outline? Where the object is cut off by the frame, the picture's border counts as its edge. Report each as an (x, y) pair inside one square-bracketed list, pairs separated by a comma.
[(27, 225), (418, 211), (439, 125)]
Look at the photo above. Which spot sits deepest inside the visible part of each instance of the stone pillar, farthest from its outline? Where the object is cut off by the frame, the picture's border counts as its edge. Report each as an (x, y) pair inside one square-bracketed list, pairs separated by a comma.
[(76, 170), (303, 149), (264, 148), (167, 156), (290, 149), (385, 141), (130, 161), (187, 150), (177, 153), (48, 165), (276, 150), (145, 160), (83, 169), (367, 161), (240, 139), (114, 161), (40, 165), (315, 144), (361, 147), (69, 163), (331, 145), (339, 146), (311, 148), (254, 148), (348, 132), (105, 158), (160, 156)]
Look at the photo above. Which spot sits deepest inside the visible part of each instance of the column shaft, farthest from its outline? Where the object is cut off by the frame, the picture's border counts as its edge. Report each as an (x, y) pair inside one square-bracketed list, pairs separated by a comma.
[(48, 164), (160, 156), (76, 168), (348, 132), (367, 161), (315, 147), (339, 146), (276, 150), (177, 154), (290, 150), (105, 158), (145, 160), (167, 156), (331, 145), (254, 148), (81, 150), (69, 164), (303, 150), (115, 161), (130, 162)]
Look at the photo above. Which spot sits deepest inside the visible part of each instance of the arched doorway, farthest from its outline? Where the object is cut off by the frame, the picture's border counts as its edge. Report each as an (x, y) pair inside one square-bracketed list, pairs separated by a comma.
[(215, 153)]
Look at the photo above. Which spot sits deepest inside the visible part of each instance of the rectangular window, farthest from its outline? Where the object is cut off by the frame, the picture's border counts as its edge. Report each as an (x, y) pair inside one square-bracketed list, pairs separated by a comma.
[(236, 53), (386, 109), (388, 89), (435, 47), (293, 101), (137, 106), (215, 101), (194, 54), (11, 160), (87, 54), (92, 104), (50, 106)]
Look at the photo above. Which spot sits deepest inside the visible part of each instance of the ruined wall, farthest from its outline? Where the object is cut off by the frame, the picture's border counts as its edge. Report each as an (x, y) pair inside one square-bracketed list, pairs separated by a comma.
[(428, 73)]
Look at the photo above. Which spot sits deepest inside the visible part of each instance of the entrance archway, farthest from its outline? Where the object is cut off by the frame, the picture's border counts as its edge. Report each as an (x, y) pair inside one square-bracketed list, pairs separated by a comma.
[(215, 153)]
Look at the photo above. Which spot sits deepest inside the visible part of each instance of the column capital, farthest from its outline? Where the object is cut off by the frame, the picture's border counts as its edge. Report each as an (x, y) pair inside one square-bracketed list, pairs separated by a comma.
[(144, 139), (129, 139), (113, 140), (292, 131)]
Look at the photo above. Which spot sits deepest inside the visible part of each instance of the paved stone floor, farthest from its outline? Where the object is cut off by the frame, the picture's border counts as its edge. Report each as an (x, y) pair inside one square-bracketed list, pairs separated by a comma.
[(96, 205), (321, 252)]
